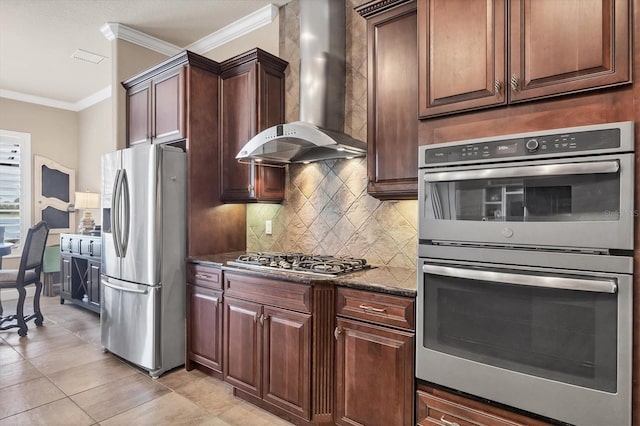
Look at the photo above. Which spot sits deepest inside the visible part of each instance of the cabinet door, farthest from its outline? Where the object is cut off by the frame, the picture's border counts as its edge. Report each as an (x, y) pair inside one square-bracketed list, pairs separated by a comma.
[(204, 326), (461, 55), (93, 282), (168, 106), (392, 115), (65, 277), (566, 46), (242, 345), (238, 126), (139, 114), (287, 360), (252, 100), (374, 375)]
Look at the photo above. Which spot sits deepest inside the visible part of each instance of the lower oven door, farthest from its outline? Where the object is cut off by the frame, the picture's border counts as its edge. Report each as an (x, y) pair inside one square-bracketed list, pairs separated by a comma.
[(553, 342)]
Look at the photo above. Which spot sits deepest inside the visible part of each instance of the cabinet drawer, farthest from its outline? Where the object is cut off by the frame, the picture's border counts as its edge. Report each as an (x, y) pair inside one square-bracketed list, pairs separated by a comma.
[(378, 308), (204, 276), (437, 409), (283, 294)]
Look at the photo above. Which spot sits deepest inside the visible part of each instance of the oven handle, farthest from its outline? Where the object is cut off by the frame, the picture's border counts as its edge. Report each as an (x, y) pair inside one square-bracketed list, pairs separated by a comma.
[(600, 286), (526, 171)]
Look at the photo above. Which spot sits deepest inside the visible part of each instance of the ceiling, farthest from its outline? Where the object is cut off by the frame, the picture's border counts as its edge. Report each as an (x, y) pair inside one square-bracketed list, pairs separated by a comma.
[(38, 37)]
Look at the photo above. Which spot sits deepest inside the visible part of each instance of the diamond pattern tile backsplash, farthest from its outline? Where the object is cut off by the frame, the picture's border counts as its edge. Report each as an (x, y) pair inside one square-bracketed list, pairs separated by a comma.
[(327, 209)]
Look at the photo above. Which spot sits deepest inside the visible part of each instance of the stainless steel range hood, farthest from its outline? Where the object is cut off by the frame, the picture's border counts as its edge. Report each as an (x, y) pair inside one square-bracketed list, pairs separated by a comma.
[(319, 133)]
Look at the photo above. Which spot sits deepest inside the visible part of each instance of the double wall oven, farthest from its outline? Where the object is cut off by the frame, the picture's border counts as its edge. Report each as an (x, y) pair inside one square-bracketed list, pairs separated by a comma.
[(526, 262)]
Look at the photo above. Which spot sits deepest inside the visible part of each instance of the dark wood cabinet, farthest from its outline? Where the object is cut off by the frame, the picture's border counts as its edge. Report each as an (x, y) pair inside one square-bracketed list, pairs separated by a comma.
[(392, 101), (80, 262), (553, 48), (461, 55), (567, 46), (243, 345), (438, 407), (374, 362), (252, 99), (278, 347), (204, 318), (178, 101), (155, 109), (374, 375), (139, 114), (286, 352)]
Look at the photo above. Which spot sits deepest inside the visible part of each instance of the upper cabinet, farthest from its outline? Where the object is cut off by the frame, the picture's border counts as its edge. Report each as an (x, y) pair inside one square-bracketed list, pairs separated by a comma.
[(252, 99), (567, 46), (392, 100), (554, 47), (461, 55), (178, 101), (156, 107)]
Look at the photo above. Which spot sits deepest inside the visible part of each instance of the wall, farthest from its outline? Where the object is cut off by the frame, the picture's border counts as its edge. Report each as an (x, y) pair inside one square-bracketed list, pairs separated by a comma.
[(266, 38), (327, 209), (95, 138)]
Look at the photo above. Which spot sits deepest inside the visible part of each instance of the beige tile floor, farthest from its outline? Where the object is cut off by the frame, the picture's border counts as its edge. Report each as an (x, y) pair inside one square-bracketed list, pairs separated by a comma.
[(58, 375)]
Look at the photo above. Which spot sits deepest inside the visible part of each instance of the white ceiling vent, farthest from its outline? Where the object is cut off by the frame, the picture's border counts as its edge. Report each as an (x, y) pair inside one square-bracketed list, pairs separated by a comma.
[(83, 55)]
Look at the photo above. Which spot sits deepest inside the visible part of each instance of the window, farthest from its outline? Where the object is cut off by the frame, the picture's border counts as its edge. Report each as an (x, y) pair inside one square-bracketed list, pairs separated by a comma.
[(15, 185)]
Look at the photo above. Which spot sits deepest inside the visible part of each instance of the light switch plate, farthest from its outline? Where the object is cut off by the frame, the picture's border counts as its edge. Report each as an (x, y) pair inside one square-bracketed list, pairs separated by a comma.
[(268, 227)]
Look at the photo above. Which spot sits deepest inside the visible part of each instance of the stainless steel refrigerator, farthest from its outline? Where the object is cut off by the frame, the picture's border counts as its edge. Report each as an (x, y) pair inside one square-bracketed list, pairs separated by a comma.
[(143, 253)]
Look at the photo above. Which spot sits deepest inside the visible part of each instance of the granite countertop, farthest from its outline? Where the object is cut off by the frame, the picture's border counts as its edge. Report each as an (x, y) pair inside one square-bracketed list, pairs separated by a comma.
[(381, 279)]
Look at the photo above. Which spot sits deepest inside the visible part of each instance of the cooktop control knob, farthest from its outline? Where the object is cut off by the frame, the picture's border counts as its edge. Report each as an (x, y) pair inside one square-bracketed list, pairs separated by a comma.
[(532, 145)]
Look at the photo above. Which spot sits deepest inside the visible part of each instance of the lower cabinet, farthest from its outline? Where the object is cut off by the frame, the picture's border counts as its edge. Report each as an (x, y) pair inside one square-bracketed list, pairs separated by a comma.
[(278, 347), (374, 362), (269, 354), (438, 407), (204, 318), (204, 325)]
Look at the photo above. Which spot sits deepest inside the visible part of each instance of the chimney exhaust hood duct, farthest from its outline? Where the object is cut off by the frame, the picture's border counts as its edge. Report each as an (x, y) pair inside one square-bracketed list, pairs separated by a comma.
[(319, 133)]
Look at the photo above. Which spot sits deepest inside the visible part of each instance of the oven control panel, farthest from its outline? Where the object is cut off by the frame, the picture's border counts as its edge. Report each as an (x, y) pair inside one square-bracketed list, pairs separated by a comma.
[(524, 146)]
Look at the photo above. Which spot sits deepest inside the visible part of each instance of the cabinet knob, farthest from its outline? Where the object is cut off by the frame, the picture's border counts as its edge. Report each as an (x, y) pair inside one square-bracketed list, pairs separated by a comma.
[(263, 318), (515, 81), (255, 317), (497, 86), (337, 332)]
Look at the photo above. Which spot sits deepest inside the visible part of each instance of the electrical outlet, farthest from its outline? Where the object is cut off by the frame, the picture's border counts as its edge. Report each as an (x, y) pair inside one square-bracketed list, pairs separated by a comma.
[(267, 227)]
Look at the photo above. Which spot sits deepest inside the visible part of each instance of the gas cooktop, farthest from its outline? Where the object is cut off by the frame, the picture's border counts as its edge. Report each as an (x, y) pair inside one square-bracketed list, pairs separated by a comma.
[(311, 264)]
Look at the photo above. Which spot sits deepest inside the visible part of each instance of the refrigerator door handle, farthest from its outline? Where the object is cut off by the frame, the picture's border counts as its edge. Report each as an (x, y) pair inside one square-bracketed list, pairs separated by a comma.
[(124, 189), (115, 213), (125, 289)]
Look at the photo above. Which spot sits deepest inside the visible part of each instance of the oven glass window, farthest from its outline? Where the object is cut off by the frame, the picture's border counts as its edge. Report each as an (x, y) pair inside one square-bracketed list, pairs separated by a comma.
[(589, 197), (563, 335)]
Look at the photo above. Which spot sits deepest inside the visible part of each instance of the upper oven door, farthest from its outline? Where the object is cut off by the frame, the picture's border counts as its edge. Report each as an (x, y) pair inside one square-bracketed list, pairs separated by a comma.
[(577, 202)]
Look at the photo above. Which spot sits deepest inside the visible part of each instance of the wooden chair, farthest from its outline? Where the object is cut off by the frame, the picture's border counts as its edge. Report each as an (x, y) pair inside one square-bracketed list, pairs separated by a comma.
[(28, 273)]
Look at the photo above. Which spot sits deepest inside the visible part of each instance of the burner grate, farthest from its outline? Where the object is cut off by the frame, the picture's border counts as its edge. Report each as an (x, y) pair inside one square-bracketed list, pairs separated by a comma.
[(301, 262)]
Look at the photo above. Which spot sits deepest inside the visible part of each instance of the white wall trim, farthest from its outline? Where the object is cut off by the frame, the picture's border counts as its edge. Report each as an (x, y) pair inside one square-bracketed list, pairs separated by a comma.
[(113, 30), (91, 100), (253, 21)]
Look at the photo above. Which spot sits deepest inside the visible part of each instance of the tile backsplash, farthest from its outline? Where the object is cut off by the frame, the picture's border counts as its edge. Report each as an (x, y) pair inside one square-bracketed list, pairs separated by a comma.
[(327, 209)]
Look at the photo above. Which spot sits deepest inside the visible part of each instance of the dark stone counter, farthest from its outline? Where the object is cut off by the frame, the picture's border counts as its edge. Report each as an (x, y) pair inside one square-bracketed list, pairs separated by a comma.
[(383, 279)]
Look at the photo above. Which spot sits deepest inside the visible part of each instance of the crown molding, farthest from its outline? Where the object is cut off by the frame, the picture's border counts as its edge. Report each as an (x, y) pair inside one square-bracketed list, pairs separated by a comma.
[(253, 21), (54, 103), (113, 30)]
